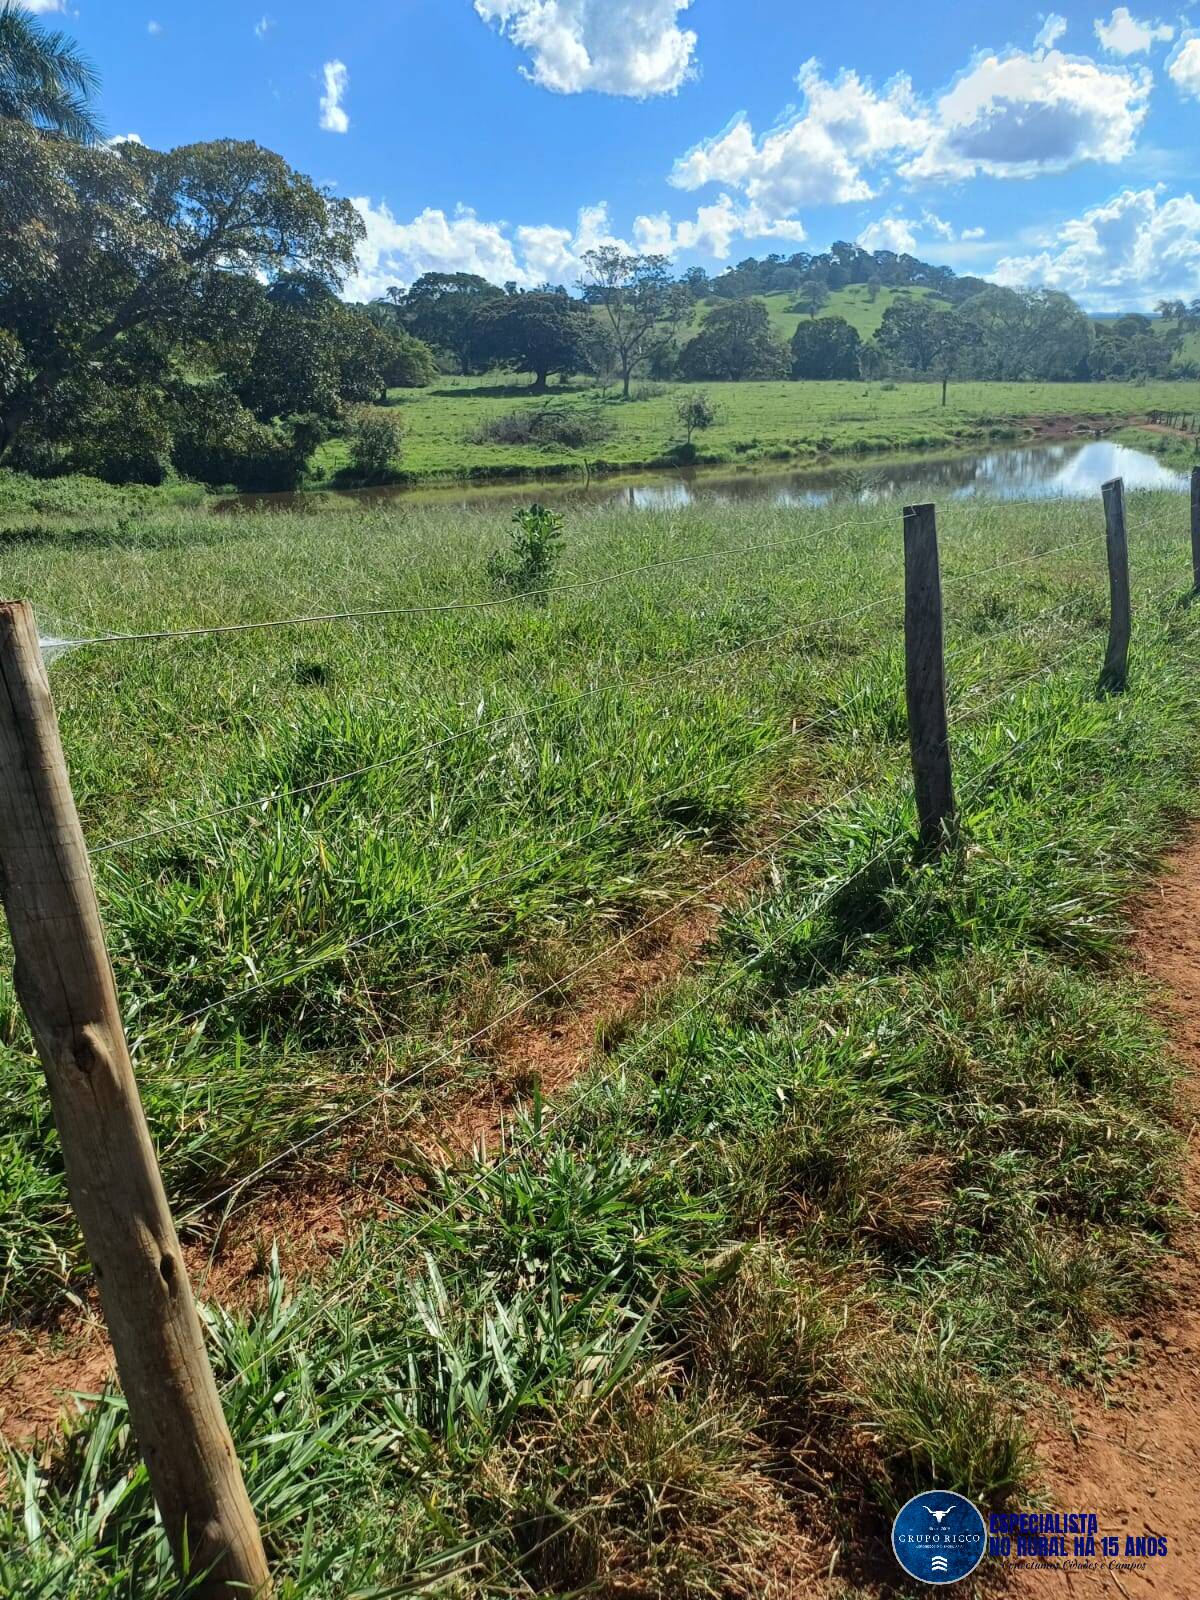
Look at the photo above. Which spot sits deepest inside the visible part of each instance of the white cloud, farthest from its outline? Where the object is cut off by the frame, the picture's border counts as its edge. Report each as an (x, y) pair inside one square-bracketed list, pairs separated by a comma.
[(1007, 116), (1052, 29), (263, 26), (337, 81), (889, 233), (1134, 250), (433, 241), (125, 138), (1018, 115), (713, 229), (894, 231), (973, 233), (625, 47), (398, 252), (154, 29), (1126, 35), (1184, 70), (818, 157), (38, 6)]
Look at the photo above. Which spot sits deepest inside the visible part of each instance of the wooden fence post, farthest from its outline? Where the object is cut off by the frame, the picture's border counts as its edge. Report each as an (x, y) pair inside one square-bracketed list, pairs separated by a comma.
[(65, 984), (925, 679), (1196, 530), (1116, 662)]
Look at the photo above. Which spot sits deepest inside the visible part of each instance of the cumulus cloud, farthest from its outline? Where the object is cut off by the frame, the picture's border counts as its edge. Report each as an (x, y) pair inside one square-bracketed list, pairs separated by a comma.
[(818, 157), (889, 233), (1184, 69), (1052, 29), (973, 233), (337, 81), (1018, 115), (894, 231), (532, 253), (125, 138), (1007, 116), (623, 47), (1126, 35), (37, 6), (398, 252), (1134, 250)]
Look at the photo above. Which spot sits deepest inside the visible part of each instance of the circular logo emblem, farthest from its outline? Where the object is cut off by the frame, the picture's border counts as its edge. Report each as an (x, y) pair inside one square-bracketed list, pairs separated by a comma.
[(939, 1537)]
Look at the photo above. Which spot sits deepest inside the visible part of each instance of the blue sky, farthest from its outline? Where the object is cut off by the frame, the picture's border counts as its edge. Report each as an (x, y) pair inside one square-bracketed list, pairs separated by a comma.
[(507, 136)]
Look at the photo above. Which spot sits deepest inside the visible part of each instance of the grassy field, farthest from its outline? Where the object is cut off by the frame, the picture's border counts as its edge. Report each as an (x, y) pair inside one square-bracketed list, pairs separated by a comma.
[(758, 423), (816, 1221)]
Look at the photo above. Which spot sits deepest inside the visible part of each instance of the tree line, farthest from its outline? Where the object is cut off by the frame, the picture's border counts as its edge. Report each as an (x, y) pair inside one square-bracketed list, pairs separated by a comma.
[(181, 311)]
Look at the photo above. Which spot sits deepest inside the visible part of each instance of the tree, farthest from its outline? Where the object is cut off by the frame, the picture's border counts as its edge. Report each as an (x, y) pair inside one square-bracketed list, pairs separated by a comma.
[(639, 300), (538, 333), (826, 348), (734, 345), (118, 267), (919, 336), (45, 81), (1037, 334), (696, 413), (441, 307), (813, 296)]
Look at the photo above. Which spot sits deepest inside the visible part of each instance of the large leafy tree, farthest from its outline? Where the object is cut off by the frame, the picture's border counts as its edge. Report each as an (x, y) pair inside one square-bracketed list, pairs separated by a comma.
[(1037, 334), (826, 348), (121, 267), (440, 309), (734, 345), (45, 81), (536, 332), (640, 303)]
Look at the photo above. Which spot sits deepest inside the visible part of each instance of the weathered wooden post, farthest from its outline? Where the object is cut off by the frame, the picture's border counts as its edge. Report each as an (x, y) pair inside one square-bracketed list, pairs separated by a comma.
[(1115, 671), (1196, 530), (65, 984), (925, 680)]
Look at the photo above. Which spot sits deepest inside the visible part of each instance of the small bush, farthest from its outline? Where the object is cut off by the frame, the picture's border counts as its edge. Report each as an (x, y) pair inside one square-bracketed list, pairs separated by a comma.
[(535, 547), (546, 426), (374, 441)]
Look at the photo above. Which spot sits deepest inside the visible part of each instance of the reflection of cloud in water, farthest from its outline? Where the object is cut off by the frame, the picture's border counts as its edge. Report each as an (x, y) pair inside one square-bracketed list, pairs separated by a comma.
[(1032, 472)]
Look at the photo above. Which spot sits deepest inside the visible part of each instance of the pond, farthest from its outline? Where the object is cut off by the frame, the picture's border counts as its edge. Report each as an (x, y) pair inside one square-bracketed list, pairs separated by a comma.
[(1074, 469)]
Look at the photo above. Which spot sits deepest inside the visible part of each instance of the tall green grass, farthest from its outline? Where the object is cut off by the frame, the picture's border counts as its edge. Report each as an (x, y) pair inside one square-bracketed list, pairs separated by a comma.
[(796, 1243)]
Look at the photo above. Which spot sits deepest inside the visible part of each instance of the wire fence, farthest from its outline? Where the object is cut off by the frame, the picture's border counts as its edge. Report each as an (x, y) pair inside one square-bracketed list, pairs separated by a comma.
[(930, 726)]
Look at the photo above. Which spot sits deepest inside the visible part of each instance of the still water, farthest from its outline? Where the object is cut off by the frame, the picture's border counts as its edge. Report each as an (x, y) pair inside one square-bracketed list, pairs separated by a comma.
[(1073, 470)]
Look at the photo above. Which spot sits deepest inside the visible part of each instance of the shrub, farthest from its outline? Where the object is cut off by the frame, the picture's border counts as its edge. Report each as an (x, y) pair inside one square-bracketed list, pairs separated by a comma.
[(571, 427), (535, 547), (374, 441)]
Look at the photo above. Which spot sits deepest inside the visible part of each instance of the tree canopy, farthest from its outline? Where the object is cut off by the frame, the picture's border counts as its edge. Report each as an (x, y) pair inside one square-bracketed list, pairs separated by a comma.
[(440, 308), (536, 332), (826, 348), (735, 344), (133, 279)]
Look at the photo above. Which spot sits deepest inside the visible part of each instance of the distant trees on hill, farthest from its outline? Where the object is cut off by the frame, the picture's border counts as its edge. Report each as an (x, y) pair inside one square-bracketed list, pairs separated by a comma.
[(735, 344)]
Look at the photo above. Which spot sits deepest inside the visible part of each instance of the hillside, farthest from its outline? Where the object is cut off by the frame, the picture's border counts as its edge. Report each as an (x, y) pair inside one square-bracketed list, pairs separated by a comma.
[(853, 303)]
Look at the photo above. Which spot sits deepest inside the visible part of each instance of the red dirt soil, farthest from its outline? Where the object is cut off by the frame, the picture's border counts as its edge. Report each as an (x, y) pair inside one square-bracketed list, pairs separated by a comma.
[(1136, 1461)]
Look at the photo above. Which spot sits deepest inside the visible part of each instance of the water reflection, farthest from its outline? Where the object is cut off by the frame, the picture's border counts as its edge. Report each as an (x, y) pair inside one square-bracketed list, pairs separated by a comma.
[(1026, 472), (1072, 470)]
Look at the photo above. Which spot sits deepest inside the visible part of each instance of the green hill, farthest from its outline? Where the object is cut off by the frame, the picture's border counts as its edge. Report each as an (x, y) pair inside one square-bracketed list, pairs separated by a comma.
[(854, 304)]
